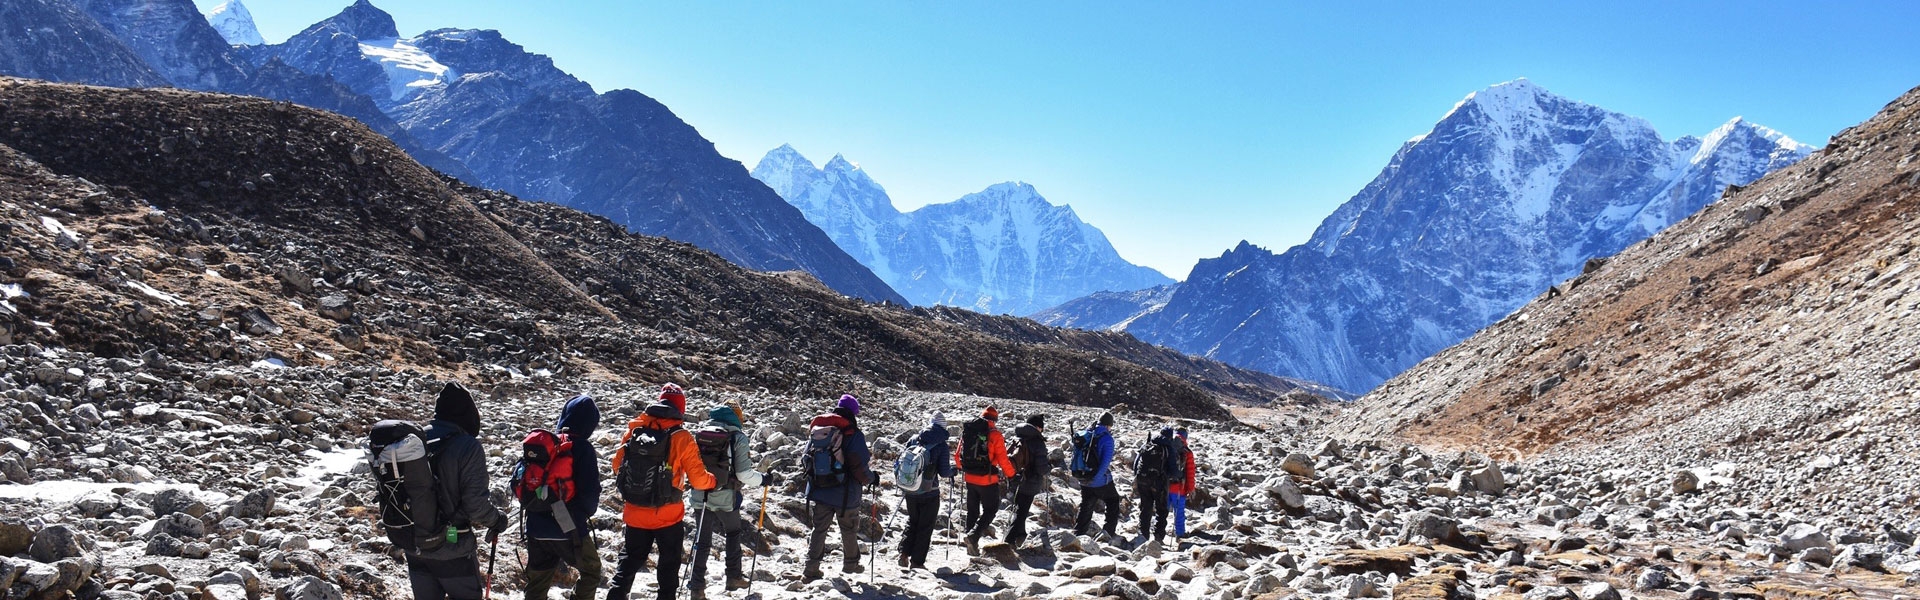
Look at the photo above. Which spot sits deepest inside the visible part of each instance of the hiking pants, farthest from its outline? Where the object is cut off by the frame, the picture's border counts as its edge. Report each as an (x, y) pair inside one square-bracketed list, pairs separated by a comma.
[(544, 560), (727, 522), (455, 579), (922, 511), (1179, 503), (633, 557), (824, 519), (1153, 503), (1022, 504), (1090, 499), (983, 503)]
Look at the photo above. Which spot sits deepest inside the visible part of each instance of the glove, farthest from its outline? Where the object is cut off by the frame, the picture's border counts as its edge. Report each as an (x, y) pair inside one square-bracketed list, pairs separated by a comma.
[(499, 525), (493, 536)]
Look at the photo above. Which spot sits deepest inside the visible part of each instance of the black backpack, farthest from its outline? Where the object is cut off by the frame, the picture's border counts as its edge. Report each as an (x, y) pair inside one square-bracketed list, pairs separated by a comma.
[(1176, 460), (1084, 445), (406, 488), (716, 452), (975, 458), (1151, 465), (646, 473)]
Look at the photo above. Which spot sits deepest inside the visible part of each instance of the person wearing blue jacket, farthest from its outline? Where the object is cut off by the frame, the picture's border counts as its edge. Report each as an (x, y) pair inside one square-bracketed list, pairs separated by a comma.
[(1101, 489), (923, 506), (549, 546), (840, 504)]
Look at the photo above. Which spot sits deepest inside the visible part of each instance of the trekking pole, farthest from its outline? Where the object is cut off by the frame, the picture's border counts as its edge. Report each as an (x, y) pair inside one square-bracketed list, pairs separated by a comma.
[(873, 556), (491, 555), (760, 530), (699, 525)]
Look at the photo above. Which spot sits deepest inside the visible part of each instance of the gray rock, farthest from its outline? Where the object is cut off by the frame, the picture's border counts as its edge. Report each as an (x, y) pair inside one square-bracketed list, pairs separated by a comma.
[(1117, 586), (1799, 537), (15, 537), (1298, 464), (168, 501), (96, 505), (337, 307), (1093, 566), (308, 588), (196, 550), (55, 542), (1431, 526), (1865, 556), (1651, 579), (1685, 482), (256, 504), (1489, 479), (163, 545), (181, 525), (1599, 590), (1817, 555)]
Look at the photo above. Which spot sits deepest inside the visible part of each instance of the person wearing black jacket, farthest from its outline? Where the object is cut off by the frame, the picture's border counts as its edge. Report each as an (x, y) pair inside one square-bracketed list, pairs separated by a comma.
[(549, 546), (1030, 461), (923, 506), (453, 570)]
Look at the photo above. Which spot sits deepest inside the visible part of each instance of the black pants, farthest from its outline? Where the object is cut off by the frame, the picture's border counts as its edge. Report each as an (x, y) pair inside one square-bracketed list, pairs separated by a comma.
[(1091, 499), (824, 519), (727, 522), (544, 560), (456, 579), (983, 503), (1153, 508), (633, 557), (1022, 505), (922, 512)]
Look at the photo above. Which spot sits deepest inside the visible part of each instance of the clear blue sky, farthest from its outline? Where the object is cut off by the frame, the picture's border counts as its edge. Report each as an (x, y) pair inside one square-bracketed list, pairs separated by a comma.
[(1179, 128)]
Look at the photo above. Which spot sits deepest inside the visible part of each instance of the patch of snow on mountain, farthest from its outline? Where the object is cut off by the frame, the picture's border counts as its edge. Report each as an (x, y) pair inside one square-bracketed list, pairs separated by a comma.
[(409, 69), (235, 24)]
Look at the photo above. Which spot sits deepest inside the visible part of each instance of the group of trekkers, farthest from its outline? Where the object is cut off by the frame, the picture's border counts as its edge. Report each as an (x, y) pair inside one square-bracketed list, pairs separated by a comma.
[(433, 491)]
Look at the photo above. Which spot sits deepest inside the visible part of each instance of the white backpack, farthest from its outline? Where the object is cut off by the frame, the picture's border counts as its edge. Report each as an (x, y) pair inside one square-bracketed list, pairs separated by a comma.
[(910, 472)]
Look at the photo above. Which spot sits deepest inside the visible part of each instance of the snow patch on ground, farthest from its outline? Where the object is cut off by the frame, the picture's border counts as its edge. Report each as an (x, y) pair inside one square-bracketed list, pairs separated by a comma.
[(155, 293), (339, 461)]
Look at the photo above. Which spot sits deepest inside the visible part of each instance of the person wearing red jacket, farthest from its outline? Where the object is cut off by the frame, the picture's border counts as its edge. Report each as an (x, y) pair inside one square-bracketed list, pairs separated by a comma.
[(982, 455), (660, 525), (1178, 491)]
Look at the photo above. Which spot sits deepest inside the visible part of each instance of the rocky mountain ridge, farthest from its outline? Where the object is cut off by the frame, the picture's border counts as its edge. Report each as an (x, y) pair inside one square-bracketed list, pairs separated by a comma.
[(1003, 250), (1512, 192)]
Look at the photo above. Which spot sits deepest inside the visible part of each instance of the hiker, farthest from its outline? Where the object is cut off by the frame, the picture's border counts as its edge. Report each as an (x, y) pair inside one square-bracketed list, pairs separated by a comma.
[(929, 449), (452, 570), (1181, 483), (725, 451), (1029, 457), (1151, 476), (1093, 466), (836, 462), (656, 462), (551, 540), (983, 457)]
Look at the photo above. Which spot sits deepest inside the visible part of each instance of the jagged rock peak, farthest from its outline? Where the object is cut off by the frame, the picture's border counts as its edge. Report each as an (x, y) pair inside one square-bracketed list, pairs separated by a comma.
[(235, 24)]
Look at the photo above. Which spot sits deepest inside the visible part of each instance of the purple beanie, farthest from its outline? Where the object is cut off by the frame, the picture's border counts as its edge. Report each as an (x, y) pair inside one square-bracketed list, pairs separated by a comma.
[(852, 404)]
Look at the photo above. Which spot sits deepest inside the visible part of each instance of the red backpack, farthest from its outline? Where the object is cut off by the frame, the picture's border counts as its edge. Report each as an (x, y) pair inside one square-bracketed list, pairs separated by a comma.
[(544, 476)]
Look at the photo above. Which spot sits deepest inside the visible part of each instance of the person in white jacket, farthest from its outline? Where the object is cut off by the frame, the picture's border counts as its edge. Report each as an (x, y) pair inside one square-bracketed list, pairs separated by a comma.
[(724, 449)]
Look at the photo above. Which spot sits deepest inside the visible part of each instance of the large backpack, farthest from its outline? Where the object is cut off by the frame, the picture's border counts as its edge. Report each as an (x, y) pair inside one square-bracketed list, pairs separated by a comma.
[(1085, 444), (826, 466), (974, 454), (543, 479), (910, 472), (406, 488), (1151, 464), (646, 473), (716, 451), (1176, 460)]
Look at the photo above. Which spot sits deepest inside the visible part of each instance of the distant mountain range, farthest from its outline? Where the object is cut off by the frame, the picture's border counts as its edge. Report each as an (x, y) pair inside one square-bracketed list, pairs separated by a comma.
[(466, 102), (1510, 193), (1003, 250)]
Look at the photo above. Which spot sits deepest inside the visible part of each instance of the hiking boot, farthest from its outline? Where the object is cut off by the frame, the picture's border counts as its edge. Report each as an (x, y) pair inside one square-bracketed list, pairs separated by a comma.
[(811, 574), (973, 546), (904, 561), (736, 582), (852, 568), (697, 594), (918, 566)]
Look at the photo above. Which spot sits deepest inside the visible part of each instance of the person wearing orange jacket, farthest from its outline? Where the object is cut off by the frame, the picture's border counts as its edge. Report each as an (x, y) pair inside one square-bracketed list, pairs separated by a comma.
[(982, 455), (1178, 491), (657, 461)]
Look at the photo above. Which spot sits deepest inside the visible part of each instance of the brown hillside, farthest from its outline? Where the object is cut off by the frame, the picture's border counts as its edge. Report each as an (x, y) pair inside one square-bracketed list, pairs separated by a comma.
[(1770, 329)]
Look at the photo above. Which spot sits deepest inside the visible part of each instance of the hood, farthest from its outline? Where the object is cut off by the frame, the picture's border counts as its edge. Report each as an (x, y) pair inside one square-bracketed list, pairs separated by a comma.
[(832, 420), (456, 406), (724, 415), (934, 434), (653, 422), (581, 417), (1028, 431)]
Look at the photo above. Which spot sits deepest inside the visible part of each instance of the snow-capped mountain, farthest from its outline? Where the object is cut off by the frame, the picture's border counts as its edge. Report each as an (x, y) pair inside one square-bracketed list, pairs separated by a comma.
[(1510, 193), (1004, 250), (235, 24)]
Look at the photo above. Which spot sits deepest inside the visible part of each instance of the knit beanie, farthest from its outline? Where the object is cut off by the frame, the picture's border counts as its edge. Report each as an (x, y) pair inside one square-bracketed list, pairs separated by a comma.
[(1038, 420), (1106, 419), (991, 414), (852, 404), (939, 419), (675, 396)]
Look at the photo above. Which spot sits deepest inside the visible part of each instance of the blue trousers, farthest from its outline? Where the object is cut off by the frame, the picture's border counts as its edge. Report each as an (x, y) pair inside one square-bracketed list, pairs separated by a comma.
[(1179, 504)]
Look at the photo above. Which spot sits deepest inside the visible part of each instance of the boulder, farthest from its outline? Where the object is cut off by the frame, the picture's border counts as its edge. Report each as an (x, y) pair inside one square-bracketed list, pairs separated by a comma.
[(1489, 479), (308, 588), (1093, 566), (1599, 590), (168, 501), (1433, 527), (256, 504), (337, 307), (181, 525), (1685, 482), (1799, 537), (55, 542), (1117, 586), (1207, 557), (15, 537), (1298, 464), (163, 545)]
